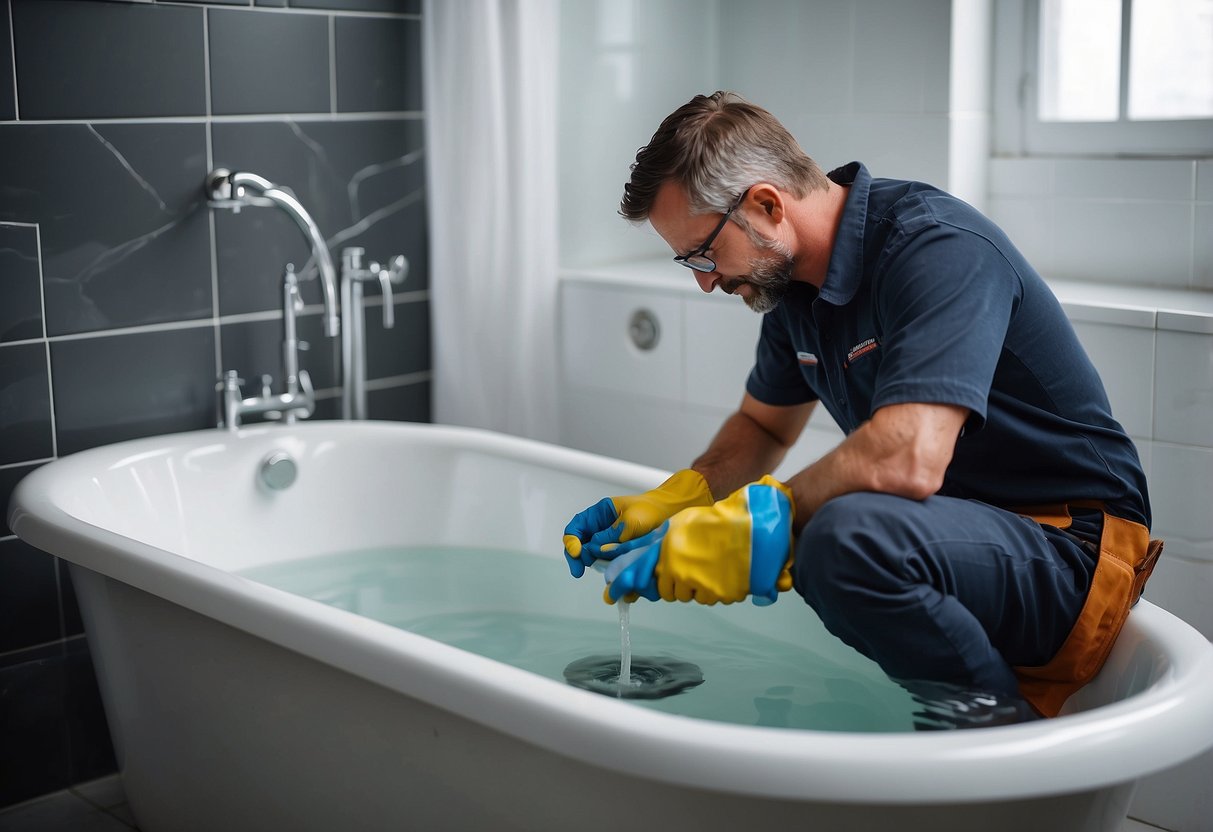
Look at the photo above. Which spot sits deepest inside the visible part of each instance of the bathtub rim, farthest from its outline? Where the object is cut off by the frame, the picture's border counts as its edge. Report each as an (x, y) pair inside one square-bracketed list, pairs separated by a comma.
[(1084, 751)]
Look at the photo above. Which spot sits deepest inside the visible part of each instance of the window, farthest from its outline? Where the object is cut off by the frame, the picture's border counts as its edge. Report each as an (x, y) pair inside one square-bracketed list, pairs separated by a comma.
[(1108, 77)]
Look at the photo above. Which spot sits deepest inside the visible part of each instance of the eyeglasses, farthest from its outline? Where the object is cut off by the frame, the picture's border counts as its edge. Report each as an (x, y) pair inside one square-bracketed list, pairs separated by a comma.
[(697, 259)]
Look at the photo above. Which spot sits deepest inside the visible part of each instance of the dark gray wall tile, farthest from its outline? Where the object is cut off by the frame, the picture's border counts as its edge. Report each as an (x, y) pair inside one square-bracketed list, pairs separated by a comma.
[(9, 477), (8, 96), (378, 64), (407, 403), (405, 348), (402, 6), (125, 236), (90, 752), (268, 63), (25, 404), (29, 596), (254, 349), (362, 181), (20, 285), (120, 387), (34, 755), (73, 623), (108, 60), (278, 3)]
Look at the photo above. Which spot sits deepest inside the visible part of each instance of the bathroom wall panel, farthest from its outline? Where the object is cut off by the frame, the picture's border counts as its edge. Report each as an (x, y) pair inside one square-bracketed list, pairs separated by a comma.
[(1181, 480), (603, 356), (90, 752), (25, 404), (8, 95), (108, 60), (403, 349), (1124, 357), (20, 283), (288, 55), (1202, 264), (719, 341), (29, 596), (400, 6), (902, 76), (9, 477), (1183, 406), (124, 232), (35, 751), (405, 402), (117, 387), (378, 64), (362, 181)]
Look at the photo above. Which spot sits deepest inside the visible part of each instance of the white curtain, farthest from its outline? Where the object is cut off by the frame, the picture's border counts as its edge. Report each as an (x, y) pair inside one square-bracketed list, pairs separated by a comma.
[(490, 111)]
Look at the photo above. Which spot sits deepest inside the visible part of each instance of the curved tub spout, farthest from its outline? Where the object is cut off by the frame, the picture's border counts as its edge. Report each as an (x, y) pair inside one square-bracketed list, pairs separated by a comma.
[(228, 189)]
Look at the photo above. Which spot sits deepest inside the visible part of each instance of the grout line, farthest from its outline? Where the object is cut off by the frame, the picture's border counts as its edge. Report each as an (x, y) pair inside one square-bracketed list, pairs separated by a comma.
[(332, 65), (391, 382), (371, 115), (12, 45), (22, 464), (50, 375), (303, 12), (217, 335)]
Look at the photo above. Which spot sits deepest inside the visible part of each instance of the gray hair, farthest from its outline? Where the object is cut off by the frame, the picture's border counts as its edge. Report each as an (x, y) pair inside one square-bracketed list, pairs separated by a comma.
[(716, 146)]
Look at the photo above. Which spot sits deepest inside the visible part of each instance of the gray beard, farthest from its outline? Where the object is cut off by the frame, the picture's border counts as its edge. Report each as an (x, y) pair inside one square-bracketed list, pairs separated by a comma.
[(770, 278)]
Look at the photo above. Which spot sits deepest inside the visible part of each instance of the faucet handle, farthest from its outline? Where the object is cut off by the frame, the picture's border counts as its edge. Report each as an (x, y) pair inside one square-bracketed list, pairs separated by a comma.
[(351, 258), (267, 382), (398, 269), (230, 380)]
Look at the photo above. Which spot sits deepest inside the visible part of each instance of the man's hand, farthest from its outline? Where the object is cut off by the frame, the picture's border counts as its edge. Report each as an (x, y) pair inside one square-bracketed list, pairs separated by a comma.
[(595, 532), (739, 546)]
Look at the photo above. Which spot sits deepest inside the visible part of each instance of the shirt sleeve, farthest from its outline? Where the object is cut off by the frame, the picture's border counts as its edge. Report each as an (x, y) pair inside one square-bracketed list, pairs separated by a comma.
[(776, 378), (945, 302)]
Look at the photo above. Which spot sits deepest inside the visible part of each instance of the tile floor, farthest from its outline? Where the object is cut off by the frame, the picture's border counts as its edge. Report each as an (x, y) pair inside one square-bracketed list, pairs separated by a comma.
[(100, 806)]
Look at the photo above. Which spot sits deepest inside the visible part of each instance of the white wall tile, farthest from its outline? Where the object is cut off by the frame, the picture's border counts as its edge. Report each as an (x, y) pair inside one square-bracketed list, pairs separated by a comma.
[(1021, 177), (1029, 224), (721, 333), (635, 428), (1179, 798), (1124, 357), (609, 106), (1183, 384), (1133, 179), (1204, 180), (813, 42), (1122, 242), (900, 64), (1202, 254), (1181, 493), (1183, 585), (597, 350), (894, 146)]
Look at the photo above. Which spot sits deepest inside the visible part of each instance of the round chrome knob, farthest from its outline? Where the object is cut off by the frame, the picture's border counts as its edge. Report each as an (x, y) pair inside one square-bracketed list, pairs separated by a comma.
[(278, 471), (644, 329)]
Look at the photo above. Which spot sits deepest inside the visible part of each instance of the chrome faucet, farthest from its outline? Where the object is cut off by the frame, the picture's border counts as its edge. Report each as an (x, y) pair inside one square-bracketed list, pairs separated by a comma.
[(235, 190), (298, 401), (353, 339)]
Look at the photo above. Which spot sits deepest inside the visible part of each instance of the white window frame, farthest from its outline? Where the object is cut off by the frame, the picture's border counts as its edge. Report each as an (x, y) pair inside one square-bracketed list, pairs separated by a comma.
[(1020, 132)]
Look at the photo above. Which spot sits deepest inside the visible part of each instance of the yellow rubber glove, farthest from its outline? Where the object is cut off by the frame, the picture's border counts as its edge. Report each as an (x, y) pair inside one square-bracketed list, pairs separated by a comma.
[(739, 546), (595, 532)]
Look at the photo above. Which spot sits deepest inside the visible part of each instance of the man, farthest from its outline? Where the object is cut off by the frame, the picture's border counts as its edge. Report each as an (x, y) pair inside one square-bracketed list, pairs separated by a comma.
[(984, 524)]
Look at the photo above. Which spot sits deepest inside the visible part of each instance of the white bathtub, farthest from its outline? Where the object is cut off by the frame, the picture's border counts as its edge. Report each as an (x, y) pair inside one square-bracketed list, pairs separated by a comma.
[(236, 706)]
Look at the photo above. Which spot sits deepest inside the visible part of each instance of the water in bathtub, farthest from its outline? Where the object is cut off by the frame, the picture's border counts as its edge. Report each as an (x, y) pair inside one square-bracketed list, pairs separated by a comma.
[(775, 666)]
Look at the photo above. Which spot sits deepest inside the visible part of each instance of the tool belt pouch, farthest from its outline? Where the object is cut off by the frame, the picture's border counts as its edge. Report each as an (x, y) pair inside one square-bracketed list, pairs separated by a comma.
[(1127, 557)]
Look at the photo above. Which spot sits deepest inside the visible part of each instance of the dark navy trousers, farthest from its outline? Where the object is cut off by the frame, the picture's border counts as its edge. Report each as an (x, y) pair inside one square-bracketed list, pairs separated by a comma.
[(943, 590)]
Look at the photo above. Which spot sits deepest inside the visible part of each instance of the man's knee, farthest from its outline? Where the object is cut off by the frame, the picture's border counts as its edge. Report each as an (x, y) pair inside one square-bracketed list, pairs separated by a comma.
[(844, 545)]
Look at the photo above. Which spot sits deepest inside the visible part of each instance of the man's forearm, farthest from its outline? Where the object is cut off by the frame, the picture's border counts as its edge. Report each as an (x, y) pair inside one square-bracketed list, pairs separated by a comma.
[(741, 452)]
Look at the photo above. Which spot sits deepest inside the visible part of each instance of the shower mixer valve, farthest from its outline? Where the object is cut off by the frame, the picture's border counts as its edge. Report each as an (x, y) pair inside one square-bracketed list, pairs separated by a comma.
[(353, 339)]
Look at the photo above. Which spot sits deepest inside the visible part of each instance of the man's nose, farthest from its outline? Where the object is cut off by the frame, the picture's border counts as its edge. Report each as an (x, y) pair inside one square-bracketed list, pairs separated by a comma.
[(706, 280)]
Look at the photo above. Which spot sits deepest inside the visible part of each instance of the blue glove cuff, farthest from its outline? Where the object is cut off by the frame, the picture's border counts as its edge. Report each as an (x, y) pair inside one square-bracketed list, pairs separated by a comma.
[(770, 540)]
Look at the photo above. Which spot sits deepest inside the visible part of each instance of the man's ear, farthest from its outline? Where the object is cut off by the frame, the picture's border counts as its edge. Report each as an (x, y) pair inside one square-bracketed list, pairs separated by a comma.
[(765, 204)]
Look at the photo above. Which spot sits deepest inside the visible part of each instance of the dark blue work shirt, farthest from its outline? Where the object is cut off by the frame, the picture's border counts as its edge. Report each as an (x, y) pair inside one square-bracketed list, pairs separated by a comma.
[(926, 300)]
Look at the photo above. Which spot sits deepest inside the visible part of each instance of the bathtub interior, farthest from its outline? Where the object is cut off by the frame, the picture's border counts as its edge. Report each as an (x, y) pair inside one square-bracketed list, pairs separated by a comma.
[(200, 498)]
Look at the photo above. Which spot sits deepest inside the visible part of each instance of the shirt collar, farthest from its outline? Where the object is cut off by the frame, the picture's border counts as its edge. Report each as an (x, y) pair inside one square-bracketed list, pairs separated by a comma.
[(845, 272)]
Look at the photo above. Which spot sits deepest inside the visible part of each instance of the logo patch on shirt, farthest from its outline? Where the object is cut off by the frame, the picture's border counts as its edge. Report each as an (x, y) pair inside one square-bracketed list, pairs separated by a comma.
[(807, 359), (862, 348)]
